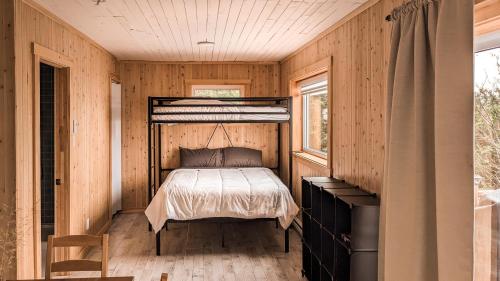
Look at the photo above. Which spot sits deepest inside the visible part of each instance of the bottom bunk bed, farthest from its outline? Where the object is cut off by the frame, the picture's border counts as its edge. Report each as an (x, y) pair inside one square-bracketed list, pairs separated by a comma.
[(221, 195)]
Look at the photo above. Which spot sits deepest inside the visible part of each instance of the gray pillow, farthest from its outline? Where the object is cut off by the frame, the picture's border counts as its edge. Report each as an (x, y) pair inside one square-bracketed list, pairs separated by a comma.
[(201, 158), (242, 157)]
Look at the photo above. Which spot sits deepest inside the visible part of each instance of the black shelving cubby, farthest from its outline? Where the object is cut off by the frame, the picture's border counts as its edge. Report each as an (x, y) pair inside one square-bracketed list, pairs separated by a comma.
[(306, 229), (327, 250), (320, 179), (328, 196), (357, 219), (315, 269), (316, 238), (325, 275), (316, 190), (340, 231), (354, 265), (306, 261), (364, 266), (306, 189), (306, 195)]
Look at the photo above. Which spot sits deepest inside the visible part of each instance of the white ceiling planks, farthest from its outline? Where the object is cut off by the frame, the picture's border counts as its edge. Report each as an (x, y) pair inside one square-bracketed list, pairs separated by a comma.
[(168, 30)]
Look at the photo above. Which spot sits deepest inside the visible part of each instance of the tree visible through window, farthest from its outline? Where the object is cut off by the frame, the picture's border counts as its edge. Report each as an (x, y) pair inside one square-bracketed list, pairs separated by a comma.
[(218, 91), (315, 115), (487, 119), (487, 165)]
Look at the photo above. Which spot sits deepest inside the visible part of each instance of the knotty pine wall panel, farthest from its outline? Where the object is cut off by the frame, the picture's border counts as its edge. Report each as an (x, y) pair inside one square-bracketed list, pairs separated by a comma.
[(143, 79), (305, 168), (359, 46), (7, 141), (89, 113)]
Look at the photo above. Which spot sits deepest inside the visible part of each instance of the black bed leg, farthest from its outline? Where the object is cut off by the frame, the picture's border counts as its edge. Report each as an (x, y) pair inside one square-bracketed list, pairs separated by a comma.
[(158, 243), (221, 226), (150, 228), (287, 244)]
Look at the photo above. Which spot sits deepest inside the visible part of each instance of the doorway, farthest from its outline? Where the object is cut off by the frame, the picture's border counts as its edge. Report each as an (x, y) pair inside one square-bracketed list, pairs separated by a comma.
[(116, 147), (51, 156), (47, 156)]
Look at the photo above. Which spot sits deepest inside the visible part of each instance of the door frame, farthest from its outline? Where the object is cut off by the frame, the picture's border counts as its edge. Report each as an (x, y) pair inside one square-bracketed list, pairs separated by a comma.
[(113, 78), (62, 82)]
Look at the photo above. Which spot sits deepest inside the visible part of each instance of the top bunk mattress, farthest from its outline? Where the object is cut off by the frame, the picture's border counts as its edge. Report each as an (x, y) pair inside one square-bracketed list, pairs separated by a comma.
[(247, 193), (220, 113)]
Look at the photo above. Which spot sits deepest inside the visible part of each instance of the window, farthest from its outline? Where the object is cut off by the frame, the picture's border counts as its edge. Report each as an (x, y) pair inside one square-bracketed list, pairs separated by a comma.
[(314, 93), (487, 164), (218, 91)]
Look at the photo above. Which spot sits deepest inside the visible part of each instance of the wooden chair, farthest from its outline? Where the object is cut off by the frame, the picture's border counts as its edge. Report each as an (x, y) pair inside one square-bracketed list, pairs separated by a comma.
[(164, 277), (77, 265)]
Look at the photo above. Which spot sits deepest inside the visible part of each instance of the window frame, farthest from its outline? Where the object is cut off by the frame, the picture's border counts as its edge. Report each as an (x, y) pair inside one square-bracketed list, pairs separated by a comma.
[(324, 65), (305, 120), (241, 88), (242, 84)]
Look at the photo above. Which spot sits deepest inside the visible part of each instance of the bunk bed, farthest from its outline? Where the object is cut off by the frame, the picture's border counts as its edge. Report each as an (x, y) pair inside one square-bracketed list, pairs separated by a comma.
[(182, 110)]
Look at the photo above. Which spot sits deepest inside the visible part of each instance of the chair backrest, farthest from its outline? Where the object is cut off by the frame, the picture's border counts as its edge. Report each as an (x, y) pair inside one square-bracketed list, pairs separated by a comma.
[(77, 265)]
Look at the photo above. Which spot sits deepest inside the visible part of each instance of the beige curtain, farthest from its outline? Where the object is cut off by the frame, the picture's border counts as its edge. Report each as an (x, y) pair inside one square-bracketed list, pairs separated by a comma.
[(427, 199)]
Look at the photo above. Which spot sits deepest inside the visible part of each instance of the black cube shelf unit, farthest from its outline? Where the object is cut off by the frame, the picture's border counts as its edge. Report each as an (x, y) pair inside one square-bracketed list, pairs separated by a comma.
[(339, 231)]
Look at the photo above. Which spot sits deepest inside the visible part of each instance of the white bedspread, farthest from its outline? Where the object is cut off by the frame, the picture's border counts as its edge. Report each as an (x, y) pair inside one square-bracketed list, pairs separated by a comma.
[(206, 193), (233, 113)]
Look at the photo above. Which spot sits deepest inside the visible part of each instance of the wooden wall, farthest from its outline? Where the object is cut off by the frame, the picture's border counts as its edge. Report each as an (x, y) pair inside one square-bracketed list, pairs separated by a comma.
[(7, 142), (143, 79), (306, 168), (486, 16), (359, 46), (89, 115)]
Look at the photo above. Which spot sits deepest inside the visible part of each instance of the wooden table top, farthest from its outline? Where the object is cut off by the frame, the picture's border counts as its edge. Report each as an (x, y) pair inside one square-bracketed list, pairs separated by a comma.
[(121, 278)]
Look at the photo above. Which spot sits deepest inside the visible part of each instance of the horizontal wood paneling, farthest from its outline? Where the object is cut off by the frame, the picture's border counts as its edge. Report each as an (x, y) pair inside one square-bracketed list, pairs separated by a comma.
[(7, 143), (142, 79), (89, 114), (244, 30), (359, 47)]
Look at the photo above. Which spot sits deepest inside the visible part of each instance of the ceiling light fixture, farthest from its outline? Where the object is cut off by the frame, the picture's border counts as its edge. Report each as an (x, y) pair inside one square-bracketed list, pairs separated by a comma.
[(205, 43)]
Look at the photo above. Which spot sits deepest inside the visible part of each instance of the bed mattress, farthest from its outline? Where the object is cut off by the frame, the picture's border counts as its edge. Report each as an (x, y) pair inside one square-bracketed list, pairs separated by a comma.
[(247, 193), (228, 113)]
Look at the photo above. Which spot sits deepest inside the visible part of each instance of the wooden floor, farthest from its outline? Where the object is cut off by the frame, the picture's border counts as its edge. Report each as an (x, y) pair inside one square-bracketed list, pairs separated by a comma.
[(253, 251)]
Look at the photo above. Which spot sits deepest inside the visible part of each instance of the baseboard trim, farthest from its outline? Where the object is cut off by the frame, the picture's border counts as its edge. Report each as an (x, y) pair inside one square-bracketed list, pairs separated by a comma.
[(297, 226), (133, 211)]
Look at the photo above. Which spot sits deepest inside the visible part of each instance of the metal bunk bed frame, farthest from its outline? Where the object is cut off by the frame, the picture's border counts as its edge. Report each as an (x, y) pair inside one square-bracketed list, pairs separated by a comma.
[(155, 168)]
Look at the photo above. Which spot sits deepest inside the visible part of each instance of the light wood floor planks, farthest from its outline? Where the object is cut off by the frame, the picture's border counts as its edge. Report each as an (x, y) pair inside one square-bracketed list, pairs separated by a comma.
[(253, 251)]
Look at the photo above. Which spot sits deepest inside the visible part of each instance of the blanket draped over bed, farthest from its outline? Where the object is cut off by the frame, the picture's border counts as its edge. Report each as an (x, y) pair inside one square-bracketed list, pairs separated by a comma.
[(246, 193)]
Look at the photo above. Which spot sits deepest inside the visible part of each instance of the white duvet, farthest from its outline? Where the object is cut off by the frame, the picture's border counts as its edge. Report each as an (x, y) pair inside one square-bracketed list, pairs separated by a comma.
[(246, 193), (232, 113)]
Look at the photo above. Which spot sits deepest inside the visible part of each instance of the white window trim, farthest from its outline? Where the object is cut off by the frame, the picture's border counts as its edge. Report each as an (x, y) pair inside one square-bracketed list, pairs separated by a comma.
[(305, 109), (242, 84)]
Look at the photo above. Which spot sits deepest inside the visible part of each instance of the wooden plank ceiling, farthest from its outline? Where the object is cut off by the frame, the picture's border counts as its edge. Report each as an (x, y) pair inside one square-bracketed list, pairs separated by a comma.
[(168, 30)]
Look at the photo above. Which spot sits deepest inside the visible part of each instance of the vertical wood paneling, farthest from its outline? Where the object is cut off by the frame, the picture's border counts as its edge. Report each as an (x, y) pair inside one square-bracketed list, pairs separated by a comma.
[(359, 48), (305, 168), (89, 114), (142, 79), (7, 139)]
